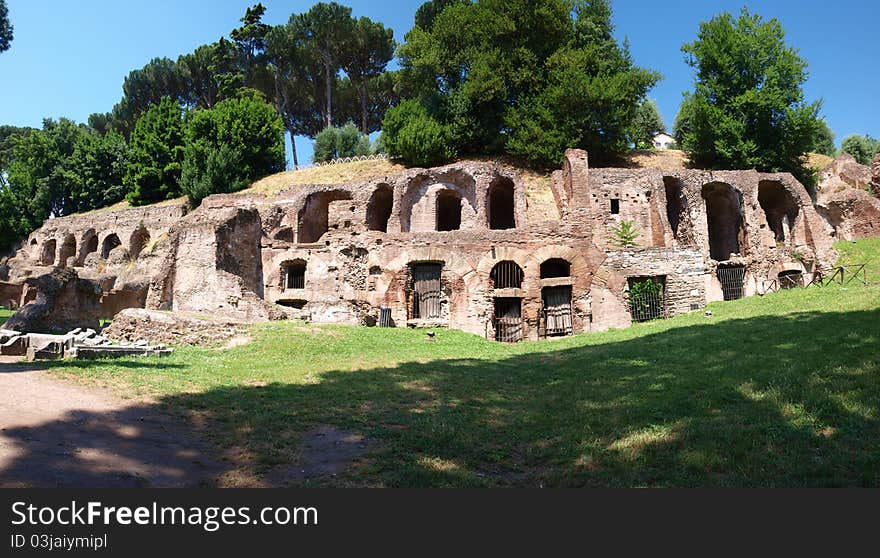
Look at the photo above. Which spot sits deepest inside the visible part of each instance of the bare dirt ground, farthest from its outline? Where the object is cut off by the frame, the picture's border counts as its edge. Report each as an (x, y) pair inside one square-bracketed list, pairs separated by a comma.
[(55, 433)]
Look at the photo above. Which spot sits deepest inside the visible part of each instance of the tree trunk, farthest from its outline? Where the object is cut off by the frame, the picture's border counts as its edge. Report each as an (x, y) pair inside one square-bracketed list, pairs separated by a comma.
[(328, 85), (364, 107), (293, 147)]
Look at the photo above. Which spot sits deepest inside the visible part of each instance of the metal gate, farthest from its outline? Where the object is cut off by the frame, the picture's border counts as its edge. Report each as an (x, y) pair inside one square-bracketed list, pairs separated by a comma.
[(508, 320), (732, 278), (426, 291), (646, 299), (557, 311)]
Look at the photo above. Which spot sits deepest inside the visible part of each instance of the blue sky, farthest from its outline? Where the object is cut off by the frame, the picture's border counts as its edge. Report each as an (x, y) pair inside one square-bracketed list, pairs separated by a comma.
[(70, 58)]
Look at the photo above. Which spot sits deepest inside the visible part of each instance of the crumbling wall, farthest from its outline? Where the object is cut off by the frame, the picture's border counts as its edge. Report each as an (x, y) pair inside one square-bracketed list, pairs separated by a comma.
[(63, 302)]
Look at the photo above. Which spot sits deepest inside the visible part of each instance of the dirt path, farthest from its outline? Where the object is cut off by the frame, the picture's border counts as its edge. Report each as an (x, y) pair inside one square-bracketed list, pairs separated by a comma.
[(57, 434)]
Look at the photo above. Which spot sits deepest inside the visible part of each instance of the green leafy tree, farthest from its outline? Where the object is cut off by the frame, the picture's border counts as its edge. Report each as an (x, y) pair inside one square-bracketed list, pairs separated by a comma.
[(209, 74), (823, 142), (747, 109), (96, 170), (365, 55), (250, 40), (647, 124), (156, 150), (5, 27), (231, 145), (324, 29), (411, 134), (863, 148), (340, 141), (527, 78), (625, 234)]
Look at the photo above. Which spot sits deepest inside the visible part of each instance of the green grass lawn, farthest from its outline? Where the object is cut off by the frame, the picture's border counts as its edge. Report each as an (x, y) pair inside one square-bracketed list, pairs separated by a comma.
[(781, 390), (5, 314)]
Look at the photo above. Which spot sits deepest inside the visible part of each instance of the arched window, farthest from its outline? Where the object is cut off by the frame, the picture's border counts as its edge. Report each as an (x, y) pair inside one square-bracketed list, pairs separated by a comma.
[(379, 208), (501, 204), (507, 275), (293, 274), (555, 267)]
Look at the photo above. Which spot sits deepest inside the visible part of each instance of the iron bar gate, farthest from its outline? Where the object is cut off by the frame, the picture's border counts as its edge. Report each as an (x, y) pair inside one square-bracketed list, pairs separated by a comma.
[(426, 291), (557, 311), (508, 320), (732, 278)]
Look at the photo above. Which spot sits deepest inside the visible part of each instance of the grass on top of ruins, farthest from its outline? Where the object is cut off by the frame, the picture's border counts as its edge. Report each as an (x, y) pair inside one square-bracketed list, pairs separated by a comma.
[(780, 390)]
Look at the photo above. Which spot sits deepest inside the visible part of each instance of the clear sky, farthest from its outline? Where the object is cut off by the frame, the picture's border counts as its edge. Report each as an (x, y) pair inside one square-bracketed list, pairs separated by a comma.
[(69, 58)]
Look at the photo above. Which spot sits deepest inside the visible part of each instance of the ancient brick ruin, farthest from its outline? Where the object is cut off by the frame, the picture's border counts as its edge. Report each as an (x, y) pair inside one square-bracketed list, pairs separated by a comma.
[(459, 246)]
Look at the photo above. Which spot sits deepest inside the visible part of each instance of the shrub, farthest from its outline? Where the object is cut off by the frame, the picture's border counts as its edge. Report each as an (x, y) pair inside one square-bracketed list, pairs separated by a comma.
[(625, 234), (336, 142), (411, 135)]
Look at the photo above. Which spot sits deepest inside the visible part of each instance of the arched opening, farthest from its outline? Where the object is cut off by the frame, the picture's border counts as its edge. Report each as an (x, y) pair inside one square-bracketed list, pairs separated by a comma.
[(139, 240), (506, 275), (111, 242), (68, 250), (501, 204), (732, 279), (790, 279), (555, 267), (314, 217), (779, 207), (675, 203), (724, 217), (87, 245), (48, 255), (379, 208), (448, 210), (293, 274)]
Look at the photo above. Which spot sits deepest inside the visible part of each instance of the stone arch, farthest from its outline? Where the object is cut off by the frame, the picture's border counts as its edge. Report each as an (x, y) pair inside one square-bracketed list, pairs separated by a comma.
[(507, 274), (111, 241), (138, 241), (88, 244), (68, 250), (780, 208), (47, 255), (379, 208), (501, 204), (724, 219), (555, 267), (313, 218), (418, 206)]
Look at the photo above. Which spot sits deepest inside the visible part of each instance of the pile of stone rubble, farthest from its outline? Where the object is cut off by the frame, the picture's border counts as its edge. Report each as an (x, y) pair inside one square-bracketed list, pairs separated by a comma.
[(76, 344)]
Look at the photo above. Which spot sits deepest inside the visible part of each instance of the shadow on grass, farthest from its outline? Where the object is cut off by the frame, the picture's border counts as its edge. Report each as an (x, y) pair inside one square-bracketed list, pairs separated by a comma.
[(769, 401)]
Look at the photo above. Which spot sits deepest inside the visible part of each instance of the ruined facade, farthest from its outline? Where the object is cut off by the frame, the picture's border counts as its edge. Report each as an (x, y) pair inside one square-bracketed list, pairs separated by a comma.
[(455, 246)]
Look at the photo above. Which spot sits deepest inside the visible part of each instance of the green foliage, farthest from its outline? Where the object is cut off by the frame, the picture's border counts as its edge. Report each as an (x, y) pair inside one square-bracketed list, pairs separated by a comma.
[(644, 288), (625, 234), (411, 134), (5, 27), (748, 108), (824, 141), (97, 168), (338, 142), (156, 154), (231, 145), (863, 148), (527, 78), (364, 57), (646, 124)]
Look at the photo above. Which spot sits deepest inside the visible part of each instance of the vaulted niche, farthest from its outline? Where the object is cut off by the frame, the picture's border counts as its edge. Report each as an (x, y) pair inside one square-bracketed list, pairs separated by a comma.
[(555, 267), (725, 220), (109, 244), (507, 275), (47, 257), (68, 250), (138, 241), (779, 207), (675, 204), (501, 204), (379, 208), (314, 216), (87, 245), (448, 210)]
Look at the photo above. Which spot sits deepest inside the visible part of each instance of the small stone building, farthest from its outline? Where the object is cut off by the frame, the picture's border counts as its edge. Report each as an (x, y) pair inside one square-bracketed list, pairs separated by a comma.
[(456, 246)]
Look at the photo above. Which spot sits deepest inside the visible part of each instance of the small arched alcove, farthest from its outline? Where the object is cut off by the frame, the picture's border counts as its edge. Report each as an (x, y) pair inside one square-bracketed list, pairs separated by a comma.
[(140, 238), (501, 204), (555, 267), (724, 219), (110, 242), (779, 207), (68, 250), (448, 210), (315, 215), (379, 208), (47, 256)]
